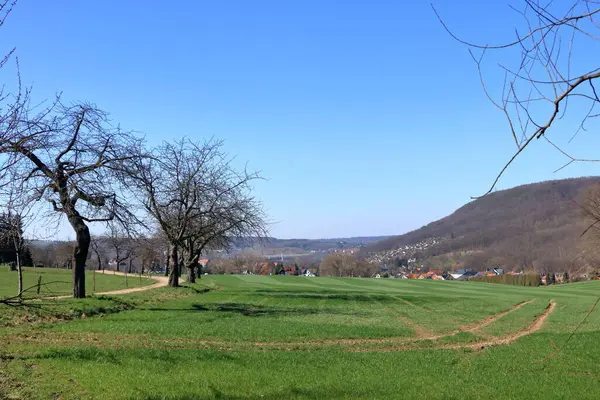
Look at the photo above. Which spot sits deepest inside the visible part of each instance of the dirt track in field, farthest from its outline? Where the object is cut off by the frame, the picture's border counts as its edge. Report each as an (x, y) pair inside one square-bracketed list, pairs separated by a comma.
[(394, 344), (160, 281)]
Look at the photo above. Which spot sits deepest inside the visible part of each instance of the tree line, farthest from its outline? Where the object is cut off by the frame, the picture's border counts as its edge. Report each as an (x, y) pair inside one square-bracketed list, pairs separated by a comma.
[(75, 164), (62, 160)]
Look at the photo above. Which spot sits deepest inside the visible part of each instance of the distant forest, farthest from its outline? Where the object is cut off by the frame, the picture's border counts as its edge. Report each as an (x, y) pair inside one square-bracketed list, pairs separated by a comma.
[(536, 226)]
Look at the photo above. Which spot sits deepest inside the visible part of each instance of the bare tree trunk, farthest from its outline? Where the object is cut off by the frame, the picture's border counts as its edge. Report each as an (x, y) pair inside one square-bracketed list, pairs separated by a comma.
[(80, 254), (168, 263), (99, 262), (192, 262), (174, 272), (192, 274), (20, 273), (130, 265)]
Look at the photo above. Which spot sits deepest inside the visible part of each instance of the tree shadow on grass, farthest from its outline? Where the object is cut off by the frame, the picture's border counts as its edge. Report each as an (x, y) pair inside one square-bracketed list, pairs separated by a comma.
[(79, 354), (289, 393), (114, 356), (327, 296), (255, 310)]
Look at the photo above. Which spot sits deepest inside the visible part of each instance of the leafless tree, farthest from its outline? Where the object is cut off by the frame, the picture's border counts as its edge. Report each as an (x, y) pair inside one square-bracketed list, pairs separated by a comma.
[(44, 255), (246, 262), (64, 254), (590, 207), (546, 83), (72, 156), (133, 255), (343, 264), (17, 214), (119, 243), (150, 253), (197, 200), (98, 245)]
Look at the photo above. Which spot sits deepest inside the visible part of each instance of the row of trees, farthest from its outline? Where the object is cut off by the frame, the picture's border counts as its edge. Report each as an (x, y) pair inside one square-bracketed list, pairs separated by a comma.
[(73, 160), (118, 252), (68, 161), (344, 264)]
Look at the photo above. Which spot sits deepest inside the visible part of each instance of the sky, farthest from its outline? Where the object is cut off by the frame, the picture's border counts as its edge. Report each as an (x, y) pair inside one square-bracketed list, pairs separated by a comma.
[(365, 117)]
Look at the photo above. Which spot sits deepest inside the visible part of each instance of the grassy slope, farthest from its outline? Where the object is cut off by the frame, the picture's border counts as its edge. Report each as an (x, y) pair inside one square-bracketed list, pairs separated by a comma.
[(294, 337), (59, 309)]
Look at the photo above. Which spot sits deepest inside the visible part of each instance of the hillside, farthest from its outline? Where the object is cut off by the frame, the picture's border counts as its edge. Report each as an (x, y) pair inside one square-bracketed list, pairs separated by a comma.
[(275, 245), (536, 225)]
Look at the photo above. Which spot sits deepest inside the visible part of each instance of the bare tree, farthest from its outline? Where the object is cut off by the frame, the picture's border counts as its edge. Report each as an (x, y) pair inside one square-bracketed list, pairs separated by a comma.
[(98, 245), (6, 7), (590, 207), (16, 216), (44, 255), (72, 156), (150, 254), (343, 264), (197, 200), (119, 243), (133, 255), (543, 87)]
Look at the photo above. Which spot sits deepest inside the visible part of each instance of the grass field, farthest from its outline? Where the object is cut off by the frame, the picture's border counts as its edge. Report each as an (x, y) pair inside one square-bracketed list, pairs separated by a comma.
[(57, 282), (269, 337)]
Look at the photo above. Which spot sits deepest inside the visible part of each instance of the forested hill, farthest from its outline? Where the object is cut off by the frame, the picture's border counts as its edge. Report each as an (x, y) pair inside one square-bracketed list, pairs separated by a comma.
[(537, 218)]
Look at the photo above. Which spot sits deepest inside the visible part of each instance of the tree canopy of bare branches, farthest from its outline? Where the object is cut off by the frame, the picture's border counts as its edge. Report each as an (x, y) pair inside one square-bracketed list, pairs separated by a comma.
[(550, 79), (197, 200), (71, 157), (343, 264)]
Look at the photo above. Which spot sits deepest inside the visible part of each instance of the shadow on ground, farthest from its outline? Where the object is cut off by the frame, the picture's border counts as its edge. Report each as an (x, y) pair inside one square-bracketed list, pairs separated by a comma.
[(289, 393), (325, 296), (255, 310)]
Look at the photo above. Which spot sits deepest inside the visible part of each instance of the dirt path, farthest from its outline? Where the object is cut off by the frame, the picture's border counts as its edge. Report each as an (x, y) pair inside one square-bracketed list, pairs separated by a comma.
[(160, 281)]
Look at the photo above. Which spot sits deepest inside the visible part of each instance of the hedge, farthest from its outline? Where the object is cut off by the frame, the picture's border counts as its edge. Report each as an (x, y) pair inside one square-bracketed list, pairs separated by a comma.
[(518, 280)]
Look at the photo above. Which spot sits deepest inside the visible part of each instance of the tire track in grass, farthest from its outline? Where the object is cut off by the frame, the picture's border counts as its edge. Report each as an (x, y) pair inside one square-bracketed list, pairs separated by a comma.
[(535, 326), (402, 343), (420, 330), (469, 328), (493, 318)]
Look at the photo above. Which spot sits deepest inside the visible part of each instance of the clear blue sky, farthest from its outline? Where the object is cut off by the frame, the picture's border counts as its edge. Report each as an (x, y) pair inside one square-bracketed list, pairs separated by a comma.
[(365, 116)]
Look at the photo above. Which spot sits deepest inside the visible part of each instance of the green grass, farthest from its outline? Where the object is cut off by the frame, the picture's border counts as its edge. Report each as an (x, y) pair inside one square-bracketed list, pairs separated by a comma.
[(268, 337), (57, 282)]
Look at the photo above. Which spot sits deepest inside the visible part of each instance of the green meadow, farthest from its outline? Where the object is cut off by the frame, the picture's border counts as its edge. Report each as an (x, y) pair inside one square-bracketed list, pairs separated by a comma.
[(271, 337), (57, 282)]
